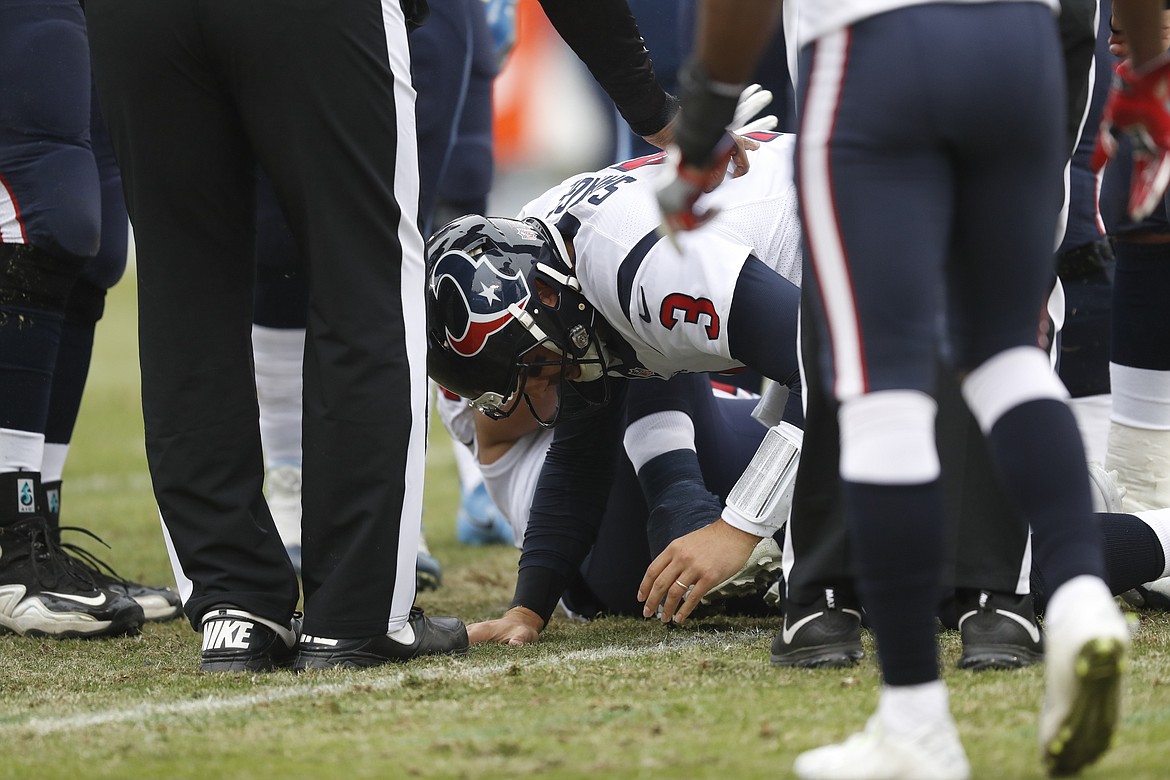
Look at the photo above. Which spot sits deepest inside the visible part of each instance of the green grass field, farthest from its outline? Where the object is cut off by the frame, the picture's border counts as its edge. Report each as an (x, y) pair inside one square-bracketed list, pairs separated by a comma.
[(616, 698)]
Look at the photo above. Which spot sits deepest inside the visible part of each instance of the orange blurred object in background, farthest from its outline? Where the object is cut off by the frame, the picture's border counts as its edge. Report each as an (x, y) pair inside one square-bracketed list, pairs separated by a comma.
[(513, 106)]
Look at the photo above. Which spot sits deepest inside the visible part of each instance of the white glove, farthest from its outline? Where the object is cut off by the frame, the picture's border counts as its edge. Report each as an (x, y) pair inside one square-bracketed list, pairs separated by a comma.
[(752, 101)]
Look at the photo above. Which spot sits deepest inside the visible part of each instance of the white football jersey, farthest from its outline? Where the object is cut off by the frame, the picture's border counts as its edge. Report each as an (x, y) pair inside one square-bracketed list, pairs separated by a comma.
[(510, 480), (672, 308)]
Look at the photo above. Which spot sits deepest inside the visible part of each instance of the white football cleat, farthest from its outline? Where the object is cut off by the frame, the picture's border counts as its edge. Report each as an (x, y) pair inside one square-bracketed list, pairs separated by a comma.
[(1086, 656), (931, 752)]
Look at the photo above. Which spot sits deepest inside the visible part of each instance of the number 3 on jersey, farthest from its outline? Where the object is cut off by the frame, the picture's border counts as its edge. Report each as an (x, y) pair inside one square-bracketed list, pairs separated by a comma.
[(691, 310)]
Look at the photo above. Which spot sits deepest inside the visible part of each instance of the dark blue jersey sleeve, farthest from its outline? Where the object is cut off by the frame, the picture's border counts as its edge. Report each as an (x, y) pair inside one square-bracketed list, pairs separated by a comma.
[(762, 324), (570, 499)]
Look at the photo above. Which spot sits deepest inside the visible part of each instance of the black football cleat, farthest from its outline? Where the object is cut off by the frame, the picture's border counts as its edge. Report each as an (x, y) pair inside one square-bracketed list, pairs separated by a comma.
[(159, 604), (42, 592)]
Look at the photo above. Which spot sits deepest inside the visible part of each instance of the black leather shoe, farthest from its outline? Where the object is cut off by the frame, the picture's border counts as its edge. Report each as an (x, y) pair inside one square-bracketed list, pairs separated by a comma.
[(420, 636), (238, 641), (999, 631)]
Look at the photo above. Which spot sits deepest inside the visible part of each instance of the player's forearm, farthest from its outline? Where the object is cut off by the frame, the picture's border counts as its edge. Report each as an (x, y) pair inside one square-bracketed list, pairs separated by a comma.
[(604, 35), (1142, 22), (731, 35), (495, 437), (538, 589)]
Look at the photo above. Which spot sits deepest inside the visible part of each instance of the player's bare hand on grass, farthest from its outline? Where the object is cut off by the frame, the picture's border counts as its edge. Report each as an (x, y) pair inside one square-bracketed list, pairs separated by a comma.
[(690, 566), (519, 626)]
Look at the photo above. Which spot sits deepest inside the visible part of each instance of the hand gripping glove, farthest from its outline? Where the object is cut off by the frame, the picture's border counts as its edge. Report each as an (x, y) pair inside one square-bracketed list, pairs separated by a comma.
[(1139, 107), (698, 161)]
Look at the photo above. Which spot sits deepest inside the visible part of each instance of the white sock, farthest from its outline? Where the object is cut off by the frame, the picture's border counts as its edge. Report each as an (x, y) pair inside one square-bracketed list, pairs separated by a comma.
[(279, 354), (902, 709), (53, 462), (1073, 595), (21, 450), (1141, 397), (1159, 521)]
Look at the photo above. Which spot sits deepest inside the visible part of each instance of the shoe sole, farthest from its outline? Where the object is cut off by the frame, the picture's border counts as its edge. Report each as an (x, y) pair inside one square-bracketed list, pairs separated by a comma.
[(244, 666), (821, 657), (94, 629), (987, 658), (1087, 730), (157, 609), (332, 660)]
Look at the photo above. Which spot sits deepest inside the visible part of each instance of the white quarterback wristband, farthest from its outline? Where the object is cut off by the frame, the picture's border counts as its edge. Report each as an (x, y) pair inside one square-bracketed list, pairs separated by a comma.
[(761, 499)]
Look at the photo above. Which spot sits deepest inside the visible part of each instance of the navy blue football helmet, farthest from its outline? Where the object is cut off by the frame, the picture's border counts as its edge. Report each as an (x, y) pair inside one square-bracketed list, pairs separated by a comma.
[(484, 314)]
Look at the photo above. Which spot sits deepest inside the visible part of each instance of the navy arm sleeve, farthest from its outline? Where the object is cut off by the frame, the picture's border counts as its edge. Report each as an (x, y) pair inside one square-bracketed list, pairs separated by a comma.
[(605, 36), (672, 481), (762, 324), (571, 494), (678, 468)]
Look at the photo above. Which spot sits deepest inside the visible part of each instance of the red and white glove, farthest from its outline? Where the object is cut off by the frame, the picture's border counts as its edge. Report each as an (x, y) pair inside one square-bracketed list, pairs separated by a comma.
[(677, 194), (1139, 107), (687, 181)]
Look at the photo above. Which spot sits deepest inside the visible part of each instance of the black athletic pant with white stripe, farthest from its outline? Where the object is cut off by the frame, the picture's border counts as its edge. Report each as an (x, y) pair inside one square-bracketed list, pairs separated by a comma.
[(318, 93)]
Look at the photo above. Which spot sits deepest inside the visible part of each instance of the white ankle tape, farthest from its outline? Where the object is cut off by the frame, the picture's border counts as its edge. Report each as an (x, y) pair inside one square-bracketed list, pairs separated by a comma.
[(1141, 458)]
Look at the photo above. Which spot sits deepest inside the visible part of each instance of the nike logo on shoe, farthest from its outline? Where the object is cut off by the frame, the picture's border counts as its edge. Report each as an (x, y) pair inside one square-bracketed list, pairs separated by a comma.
[(404, 635), (223, 634), (92, 601), (1029, 626), (789, 632)]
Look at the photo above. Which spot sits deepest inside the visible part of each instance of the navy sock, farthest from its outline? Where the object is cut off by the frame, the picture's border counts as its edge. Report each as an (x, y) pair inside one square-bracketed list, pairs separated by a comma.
[(1037, 449), (897, 533)]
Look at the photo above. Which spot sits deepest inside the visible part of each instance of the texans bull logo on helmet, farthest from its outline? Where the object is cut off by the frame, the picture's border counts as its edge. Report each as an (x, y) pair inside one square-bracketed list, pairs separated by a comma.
[(492, 290)]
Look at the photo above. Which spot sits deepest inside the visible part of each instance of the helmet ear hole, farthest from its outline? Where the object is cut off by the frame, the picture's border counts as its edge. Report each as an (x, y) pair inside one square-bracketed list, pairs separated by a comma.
[(548, 296)]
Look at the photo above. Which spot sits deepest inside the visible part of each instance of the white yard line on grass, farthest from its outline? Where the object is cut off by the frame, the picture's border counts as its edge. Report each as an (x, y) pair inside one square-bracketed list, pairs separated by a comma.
[(455, 672)]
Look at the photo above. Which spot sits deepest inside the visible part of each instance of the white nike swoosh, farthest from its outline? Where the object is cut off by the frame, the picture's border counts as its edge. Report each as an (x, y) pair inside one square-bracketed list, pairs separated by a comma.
[(404, 635), (93, 601), (790, 631), (1028, 625)]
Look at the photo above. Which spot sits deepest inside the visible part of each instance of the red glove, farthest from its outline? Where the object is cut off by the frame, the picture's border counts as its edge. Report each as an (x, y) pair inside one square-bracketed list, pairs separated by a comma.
[(1139, 107), (684, 184)]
